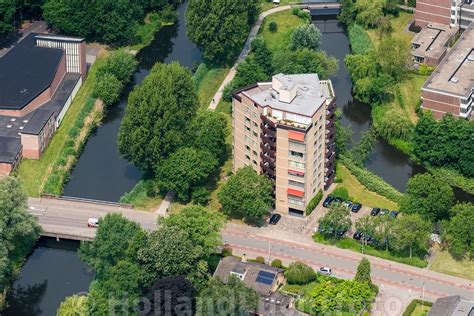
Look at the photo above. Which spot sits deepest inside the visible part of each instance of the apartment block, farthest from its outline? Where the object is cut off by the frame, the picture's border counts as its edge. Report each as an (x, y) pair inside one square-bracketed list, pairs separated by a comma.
[(285, 129), (450, 88), (455, 13)]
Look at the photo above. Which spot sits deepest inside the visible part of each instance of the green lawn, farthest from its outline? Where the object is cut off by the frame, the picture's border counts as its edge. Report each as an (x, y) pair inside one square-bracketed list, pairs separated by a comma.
[(421, 310), (359, 193), (266, 4), (398, 24), (209, 85), (34, 173), (444, 263), (410, 92), (287, 22)]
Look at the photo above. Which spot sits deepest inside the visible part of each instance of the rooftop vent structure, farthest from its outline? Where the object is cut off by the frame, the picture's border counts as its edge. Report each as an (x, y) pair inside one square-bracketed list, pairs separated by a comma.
[(454, 79)]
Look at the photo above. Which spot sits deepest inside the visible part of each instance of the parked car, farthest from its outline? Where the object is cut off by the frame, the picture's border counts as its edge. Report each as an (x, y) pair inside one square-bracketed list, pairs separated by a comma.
[(341, 232), (325, 270), (357, 235), (274, 219), (337, 200), (375, 211), (328, 201), (347, 204), (394, 214), (384, 211), (93, 222), (356, 207)]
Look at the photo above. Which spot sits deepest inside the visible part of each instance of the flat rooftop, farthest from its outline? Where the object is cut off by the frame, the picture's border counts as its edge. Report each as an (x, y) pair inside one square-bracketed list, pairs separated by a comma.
[(26, 71), (432, 40), (311, 94), (455, 74)]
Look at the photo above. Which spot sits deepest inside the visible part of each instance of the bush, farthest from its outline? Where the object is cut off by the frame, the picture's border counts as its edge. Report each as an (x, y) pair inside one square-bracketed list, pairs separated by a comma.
[(227, 252), (341, 192), (314, 202), (276, 263), (107, 88), (273, 26), (359, 40), (120, 64), (300, 273), (305, 36), (296, 11), (260, 259), (201, 196), (425, 70)]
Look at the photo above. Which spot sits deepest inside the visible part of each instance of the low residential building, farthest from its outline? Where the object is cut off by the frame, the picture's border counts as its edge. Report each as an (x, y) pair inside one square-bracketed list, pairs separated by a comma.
[(452, 306), (285, 129), (455, 13), (430, 45), (450, 87), (39, 77)]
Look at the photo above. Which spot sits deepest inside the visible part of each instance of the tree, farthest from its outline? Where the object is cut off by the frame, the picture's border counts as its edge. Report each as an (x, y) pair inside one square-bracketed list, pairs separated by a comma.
[(246, 195), (383, 231), (110, 22), (273, 26), (107, 88), (366, 226), (427, 196), (117, 239), (157, 115), (7, 13), (276, 263), (336, 219), (185, 170), (300, 273), (393, 57), (394, 125), (220, 27), (458, 233), (203, 226), (363, 272), (384, 26), (262, 54), (208, 131), (18, 229), (248, 72), (369, 11), (305, 36), (233, 298), (411, 232), (120, 64), (304, 61), (360, 66), (373, 90), (73, 306)]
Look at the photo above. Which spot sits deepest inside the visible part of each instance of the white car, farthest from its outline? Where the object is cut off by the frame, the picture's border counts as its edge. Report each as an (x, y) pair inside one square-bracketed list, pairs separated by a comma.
[(93, 222), (325, 270)]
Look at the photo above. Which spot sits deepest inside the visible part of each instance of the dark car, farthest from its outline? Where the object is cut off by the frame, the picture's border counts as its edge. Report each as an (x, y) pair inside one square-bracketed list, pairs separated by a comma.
[(347, 204), (357, 235), (356, 207), (328, 201), (341, 232), (384, 211), (274, 219), (393, 214), (337, 200), (375, 211)]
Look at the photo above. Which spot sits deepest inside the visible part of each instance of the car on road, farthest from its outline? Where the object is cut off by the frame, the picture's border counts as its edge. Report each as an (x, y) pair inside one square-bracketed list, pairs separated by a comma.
[(383, 211), (347, 204), (93, 222), (356, 207), (375, 211), (274, 219), (328, 201), (325, 270), (394, 214)]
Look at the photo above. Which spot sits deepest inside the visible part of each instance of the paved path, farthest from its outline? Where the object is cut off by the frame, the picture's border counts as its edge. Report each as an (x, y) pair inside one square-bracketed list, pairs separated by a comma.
[(245, 51)]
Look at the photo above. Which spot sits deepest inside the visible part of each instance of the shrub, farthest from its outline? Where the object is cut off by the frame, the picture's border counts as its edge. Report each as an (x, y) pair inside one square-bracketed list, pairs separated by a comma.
[(341, 192), (296, 11), (107, 88), (305, 36), (300, 273), (260, 259), (276, 263), (201, 196), (359, 40), (273, 26), (314, 202), (227, 252), (425, 70), (120, 64)]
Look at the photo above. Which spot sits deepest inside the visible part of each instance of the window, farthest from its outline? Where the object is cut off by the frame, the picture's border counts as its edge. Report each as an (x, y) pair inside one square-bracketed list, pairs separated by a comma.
[(296, 183), (255, 134), (247, 120), (296, 174), (247, 157), (247, 148), (247, 128), (254, 162), (295, 201), (255, 153), (296, 164), (296, 154), (255, 124)]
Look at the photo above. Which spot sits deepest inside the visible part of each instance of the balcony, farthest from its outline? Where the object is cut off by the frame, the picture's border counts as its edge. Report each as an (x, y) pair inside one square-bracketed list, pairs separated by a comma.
[(265, 147), (267, 158), (267, 120), (271, 141), (267, 129), (268, 170)]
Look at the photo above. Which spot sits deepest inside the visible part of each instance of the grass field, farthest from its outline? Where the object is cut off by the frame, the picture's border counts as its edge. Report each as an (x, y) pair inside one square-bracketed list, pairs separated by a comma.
[(410, 93), (286, 22), (421, 310), (33, 173), (398, 24), (209, 85), (359, 193), (444, 263)]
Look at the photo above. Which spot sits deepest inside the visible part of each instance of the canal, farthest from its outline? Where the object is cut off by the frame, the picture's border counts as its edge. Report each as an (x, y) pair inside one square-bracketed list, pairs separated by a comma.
[(52, 272), (101, 173)]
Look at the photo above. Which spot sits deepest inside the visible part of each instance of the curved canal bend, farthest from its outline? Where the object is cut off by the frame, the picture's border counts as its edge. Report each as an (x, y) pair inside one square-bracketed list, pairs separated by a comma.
[(101, 173)]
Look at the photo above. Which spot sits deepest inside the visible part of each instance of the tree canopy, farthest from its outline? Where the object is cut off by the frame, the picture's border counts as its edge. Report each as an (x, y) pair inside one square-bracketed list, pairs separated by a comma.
[(7, 12), (458, 232), (247, 195), (300, 273), (369, 11), (158, 112), (411, 232), (428, 196), (363, 272), (336, 219), (305, 36), (304, 61), (220, 27)]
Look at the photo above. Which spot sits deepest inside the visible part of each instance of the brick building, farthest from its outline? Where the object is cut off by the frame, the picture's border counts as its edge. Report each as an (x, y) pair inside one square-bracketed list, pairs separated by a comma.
[(455, 13), (285, 130), (431, 44), (39, 77)]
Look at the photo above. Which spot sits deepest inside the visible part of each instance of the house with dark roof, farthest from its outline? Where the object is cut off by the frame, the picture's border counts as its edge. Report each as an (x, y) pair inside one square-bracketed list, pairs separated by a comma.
[(39, 77), (452, 306)]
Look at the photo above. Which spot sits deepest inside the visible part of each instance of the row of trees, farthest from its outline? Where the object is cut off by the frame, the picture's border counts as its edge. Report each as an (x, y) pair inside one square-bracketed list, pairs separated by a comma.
[(18, 232), (165, 135), (111, 22)]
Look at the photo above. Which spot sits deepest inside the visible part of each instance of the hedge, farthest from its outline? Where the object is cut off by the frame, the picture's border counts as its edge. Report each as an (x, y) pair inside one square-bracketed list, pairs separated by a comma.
[(314, 202), (370, 180), (411, 307)]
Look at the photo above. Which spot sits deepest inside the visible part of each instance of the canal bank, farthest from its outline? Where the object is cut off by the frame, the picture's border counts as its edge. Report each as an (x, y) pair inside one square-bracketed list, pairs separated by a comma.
[(52, 272), (101, 173)]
